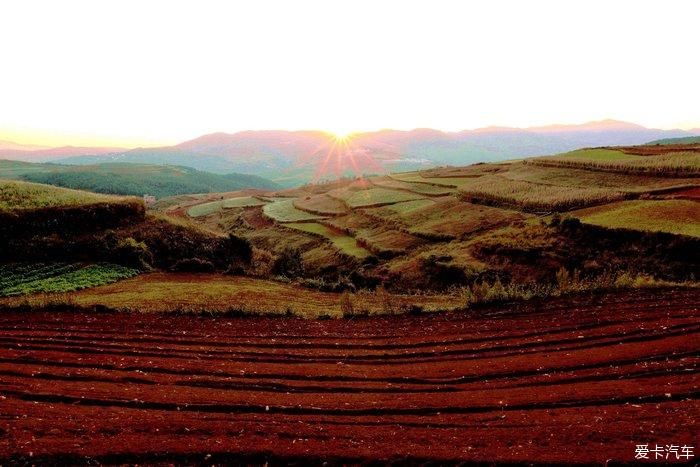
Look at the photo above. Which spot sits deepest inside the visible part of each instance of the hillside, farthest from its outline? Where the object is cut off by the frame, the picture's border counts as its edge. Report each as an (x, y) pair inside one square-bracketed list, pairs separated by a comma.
[(18, 196), (670, 141), (519, 222), (598, 218), (291, 158), (131, 179)]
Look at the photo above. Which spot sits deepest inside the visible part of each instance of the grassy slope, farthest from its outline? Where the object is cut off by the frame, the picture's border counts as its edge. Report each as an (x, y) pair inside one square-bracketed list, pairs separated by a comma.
[(16, 195), (374, 197), (673, 216), (215, 206), (344, 243), (158, 292), (676, 163), (131, 179), (284, 211), (400, 232), (668, 141), (421, 240)]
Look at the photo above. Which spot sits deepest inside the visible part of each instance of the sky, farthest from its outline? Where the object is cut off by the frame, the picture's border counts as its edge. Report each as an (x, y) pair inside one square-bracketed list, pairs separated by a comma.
[(130, 73)]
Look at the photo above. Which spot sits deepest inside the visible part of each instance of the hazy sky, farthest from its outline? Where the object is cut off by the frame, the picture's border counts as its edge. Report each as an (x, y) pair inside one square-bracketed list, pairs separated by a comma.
[(156, 72)]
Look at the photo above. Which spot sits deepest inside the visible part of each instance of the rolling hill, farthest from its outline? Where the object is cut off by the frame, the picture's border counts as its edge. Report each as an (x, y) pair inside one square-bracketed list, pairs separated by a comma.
[(131, 179), (590, 212), (291, 158), (670, 141)]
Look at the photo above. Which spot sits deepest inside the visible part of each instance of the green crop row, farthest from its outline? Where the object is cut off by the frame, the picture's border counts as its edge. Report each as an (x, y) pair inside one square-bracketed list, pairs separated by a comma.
[(65, 278)]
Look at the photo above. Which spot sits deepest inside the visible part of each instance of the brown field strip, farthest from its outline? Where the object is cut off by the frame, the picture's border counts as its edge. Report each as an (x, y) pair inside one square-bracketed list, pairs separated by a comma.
[(567, 380)]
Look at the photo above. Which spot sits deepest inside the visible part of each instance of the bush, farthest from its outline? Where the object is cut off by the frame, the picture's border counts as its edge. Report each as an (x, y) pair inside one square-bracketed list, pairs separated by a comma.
[(193, 265), (239, 248), (129, 252), (346, 304), (289, 263), (570, 224)]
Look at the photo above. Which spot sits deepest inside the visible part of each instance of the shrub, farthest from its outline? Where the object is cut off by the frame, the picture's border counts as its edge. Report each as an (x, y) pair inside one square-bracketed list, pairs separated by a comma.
[(239, 248), (346, 304), (289, 263), (556, 220), (570, 224), (193, 265), (129, 252), (563, 279), (261, 264)]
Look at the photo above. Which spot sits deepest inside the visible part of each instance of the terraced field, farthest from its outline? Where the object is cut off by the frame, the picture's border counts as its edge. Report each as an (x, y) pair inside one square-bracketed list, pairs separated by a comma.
[(285, 211), (419, 188), (343, 242), (675, 163), (443, 182), (561, 382), (321, 204), (528, 196), (676, 216), (428, 224), (212, 207), (373, 197)]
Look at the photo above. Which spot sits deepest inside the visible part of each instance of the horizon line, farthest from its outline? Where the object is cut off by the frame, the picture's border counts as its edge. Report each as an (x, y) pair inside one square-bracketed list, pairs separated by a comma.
[(41, 142)]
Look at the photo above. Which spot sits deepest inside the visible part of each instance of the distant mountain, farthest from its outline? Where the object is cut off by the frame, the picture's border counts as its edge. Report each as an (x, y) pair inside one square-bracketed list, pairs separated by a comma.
[(48, 154), (294, 157), (12, 146), (131, 179), (164, 155)]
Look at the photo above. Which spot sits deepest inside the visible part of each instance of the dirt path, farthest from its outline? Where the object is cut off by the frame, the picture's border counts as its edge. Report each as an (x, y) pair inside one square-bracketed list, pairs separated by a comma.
[(582, 380)]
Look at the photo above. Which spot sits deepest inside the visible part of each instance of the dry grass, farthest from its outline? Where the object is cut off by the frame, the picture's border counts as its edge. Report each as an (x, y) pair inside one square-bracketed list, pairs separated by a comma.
[(568, 177), (567, 283), (25, 195), (673, 164), (284, 211), (343, 242), (418, 188), (372, 196), (321, 204), (673, 216), (198, 293), (500, 191)]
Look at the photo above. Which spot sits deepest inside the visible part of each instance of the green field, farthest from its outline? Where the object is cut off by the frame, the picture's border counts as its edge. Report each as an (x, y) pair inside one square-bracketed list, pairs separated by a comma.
[(15, 195), (284, 211), (343, 242), (212, 207), (22, 279), (672, 216), (401, 209), (597, 154)]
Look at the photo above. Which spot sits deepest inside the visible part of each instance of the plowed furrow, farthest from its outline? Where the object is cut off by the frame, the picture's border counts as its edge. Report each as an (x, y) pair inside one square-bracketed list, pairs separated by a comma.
[(578, 379)]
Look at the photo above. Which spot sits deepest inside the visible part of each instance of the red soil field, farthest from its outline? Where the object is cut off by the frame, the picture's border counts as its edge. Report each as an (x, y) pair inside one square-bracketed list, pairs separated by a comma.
[(577, 380)]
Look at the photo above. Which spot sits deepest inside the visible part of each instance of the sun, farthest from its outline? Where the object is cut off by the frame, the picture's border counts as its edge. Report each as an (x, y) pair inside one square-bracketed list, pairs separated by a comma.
[(340, 135)]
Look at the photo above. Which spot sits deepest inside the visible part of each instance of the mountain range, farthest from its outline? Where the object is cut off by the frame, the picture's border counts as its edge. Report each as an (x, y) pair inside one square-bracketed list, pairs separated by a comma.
[(293, 157)]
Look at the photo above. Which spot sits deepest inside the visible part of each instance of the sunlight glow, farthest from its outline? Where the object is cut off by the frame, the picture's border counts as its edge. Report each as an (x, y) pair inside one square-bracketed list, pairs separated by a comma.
[(160, 72)]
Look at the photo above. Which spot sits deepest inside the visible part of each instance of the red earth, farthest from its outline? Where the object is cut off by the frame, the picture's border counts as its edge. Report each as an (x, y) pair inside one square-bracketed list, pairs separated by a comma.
[(577, 380)]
